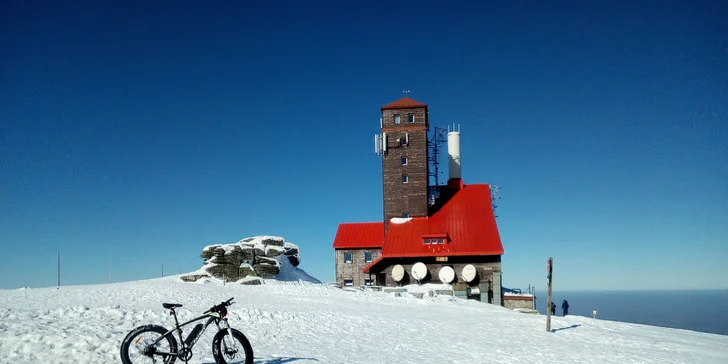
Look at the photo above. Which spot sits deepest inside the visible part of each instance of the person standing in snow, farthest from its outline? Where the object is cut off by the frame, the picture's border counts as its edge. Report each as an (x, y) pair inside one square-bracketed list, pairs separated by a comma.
[(565, 307), (553, 308)]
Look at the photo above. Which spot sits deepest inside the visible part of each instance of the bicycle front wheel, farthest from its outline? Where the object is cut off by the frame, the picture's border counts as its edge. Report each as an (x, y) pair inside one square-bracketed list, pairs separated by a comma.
[(235, 349)]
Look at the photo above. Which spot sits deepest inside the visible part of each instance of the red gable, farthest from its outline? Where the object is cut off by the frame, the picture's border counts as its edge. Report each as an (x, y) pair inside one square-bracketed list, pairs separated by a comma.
[(466, 224), (403, 103), (359, 235)]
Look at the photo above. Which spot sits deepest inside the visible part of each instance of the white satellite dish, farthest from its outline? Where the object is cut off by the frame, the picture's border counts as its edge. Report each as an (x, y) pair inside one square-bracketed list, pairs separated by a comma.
[(446, 274), (397, 273), (469, 273), (419, 271)]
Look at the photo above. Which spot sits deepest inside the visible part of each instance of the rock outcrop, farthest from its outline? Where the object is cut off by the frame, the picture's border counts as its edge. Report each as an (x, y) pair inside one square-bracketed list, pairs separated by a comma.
[(253, 257)]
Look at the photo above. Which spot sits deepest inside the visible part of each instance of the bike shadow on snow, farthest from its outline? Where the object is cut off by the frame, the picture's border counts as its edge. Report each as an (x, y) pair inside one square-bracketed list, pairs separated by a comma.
[(282, 360)]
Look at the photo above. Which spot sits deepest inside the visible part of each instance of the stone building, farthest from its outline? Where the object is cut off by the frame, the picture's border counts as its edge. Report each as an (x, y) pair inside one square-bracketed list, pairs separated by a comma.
[(429, 233)]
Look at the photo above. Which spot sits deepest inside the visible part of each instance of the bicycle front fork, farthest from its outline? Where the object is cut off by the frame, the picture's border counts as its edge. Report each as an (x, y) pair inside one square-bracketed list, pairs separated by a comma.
[(230, 335)]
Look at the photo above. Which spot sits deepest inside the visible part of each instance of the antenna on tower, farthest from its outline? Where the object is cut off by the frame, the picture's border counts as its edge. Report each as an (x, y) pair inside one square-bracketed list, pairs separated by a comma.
[(439, 137), (495, 195)]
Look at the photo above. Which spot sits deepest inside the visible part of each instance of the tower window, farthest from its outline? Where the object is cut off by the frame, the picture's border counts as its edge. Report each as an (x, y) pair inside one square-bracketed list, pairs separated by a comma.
[(404, 161), (403, 140), (411, 118), (396, 118), (405, 179), (347, 257), (367, 256)]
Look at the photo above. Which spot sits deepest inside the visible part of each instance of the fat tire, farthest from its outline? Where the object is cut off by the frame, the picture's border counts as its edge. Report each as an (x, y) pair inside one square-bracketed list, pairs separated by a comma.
[(217, 343), (124, 350)]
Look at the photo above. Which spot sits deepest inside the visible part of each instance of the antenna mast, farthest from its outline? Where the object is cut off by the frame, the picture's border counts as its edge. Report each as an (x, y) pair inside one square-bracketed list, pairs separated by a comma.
[(494, 195), (439, 137)]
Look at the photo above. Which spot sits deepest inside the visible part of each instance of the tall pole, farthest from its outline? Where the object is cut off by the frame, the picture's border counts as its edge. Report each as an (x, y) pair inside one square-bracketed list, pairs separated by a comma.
[(549, 269), (162, 269), (58, 270)]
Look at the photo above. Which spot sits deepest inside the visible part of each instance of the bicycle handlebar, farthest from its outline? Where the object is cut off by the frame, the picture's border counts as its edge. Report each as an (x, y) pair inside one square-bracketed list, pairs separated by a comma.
[(221, 305)]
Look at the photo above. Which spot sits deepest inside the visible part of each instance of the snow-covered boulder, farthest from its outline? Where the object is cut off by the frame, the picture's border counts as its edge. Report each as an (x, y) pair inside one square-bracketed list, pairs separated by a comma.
[(255, 257)]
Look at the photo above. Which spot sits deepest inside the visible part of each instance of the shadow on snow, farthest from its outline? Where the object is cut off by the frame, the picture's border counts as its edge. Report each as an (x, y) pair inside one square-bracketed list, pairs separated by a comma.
[(282, 360), (565, 328)]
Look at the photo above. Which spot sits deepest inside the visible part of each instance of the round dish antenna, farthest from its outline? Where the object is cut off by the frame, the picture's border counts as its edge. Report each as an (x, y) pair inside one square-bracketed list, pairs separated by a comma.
[(419, 271), (397, 273), (446, 274), (469, 273)]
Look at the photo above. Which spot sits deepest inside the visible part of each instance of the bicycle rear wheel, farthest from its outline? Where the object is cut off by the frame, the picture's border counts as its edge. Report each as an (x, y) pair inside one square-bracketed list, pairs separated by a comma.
[(227, 351), (137, 346)]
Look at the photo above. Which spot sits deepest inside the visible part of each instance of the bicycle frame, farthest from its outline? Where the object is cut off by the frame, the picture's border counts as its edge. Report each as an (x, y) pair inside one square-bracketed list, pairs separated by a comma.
[(211, 317)]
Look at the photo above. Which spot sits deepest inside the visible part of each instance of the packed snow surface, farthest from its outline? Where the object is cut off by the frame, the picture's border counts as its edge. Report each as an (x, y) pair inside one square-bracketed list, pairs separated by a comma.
[(302, 322)]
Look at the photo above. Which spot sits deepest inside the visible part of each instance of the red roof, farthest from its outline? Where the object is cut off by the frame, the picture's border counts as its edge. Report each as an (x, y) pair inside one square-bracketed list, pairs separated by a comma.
[(403, 103), (359, 235), (466, 220)]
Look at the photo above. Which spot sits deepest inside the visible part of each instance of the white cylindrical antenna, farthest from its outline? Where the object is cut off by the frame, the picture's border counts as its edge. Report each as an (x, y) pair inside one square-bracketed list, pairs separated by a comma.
[(384, 141), (453, 152)]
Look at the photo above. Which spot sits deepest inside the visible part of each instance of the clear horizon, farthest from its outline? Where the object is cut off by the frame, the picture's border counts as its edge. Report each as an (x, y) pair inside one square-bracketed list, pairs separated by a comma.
[(133, 135)]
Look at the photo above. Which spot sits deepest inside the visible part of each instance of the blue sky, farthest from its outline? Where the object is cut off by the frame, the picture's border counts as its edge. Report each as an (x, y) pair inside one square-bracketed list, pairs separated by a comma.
[(135, 134)]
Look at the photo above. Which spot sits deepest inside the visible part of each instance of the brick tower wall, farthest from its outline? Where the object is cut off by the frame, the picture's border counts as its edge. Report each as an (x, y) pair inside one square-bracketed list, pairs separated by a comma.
[(400, 197)]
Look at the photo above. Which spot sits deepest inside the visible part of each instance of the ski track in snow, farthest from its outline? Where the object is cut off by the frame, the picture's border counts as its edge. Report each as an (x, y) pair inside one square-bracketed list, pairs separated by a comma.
[(291, 322)]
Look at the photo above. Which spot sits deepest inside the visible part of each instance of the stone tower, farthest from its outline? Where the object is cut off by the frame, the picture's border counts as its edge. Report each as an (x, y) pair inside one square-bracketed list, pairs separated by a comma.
[(405, 176)]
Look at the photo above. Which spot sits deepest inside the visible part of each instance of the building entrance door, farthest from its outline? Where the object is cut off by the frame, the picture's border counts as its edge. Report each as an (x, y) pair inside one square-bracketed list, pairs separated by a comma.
[(381, 279)]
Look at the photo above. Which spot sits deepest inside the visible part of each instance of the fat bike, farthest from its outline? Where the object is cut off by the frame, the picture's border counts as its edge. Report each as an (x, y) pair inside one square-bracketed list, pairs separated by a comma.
[(150, 343)]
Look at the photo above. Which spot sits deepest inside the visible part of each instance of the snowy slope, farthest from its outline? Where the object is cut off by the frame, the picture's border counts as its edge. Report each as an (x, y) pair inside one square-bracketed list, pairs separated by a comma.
[(300, 322)]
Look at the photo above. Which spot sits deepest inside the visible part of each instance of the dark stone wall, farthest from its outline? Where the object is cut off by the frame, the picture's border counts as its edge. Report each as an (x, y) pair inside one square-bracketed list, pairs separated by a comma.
[(484, 265)]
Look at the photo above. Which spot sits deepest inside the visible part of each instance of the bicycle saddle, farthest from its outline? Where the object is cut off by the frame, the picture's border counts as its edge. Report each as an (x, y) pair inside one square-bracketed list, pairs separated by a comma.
[(171, 305)]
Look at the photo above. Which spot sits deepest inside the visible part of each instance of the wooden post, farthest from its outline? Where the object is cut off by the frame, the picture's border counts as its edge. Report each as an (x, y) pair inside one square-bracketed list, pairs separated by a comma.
[(549, 269)]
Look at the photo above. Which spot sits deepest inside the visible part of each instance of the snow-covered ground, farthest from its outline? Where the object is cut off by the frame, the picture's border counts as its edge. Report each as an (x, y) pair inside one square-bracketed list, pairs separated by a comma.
[(301, 322)]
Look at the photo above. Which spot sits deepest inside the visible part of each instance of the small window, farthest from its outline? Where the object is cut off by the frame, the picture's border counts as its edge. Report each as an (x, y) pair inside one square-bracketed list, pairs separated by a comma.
[(440, 241), (368, 282), (427, 241), (367, 256), (404, 161), (405, 214), (405, 179), (411, 118), (403, 140), (396, 118), (347, 257), (348, 282)]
